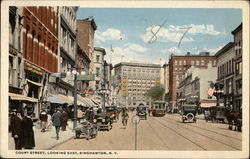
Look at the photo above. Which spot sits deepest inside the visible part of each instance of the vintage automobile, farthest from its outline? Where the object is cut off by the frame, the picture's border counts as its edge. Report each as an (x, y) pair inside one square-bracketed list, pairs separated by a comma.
[(189, 112), (112, 111), (158, 108), (86, 128), (215, 113), (141, 111), (103, 121)]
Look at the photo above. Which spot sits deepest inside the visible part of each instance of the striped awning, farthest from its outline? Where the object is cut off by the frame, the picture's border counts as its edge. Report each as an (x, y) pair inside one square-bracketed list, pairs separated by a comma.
[(67, 98), (56, 99)]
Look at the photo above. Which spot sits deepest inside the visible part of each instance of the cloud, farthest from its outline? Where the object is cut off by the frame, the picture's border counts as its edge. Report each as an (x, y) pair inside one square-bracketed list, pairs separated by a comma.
[(137, 47), (213, 50), (109, 34), (174, 33), (172, 50), (129, 52)]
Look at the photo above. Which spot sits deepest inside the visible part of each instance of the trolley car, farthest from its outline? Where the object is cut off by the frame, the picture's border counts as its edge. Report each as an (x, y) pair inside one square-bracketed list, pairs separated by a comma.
[(158, 108)]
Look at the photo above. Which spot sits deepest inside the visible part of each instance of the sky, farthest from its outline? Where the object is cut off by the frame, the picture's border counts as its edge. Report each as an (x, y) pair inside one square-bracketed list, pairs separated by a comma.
[(151, 35)]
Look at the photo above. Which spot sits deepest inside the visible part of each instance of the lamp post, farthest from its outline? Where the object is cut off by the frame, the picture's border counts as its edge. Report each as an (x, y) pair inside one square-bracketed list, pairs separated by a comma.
[(75, 98)]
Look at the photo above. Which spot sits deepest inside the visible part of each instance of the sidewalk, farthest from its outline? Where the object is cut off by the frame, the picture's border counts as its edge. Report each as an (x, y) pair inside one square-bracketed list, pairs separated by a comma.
[(47, 140)]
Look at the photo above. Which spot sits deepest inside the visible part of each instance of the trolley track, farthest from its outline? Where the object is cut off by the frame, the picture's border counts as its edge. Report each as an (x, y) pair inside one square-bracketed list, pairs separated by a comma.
[(155, 132), (206, 136), (198, 145), (209, 130)]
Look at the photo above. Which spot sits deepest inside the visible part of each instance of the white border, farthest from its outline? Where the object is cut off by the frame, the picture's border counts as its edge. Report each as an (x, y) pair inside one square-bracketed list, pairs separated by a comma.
[(130, 4)]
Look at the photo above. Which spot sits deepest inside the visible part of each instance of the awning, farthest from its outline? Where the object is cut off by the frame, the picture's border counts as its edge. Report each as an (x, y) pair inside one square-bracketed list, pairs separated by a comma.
[(79, 100), (66, 98), (206, 105), (14, 96), (90, 102), (35, 83), (56, 99)]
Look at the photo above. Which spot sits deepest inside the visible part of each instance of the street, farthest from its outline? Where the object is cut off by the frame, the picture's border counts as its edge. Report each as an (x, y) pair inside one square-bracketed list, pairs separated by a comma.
[(161, 133)]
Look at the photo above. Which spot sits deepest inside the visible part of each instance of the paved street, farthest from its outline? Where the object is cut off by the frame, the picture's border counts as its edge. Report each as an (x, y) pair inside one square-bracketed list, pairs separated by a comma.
[(161, 133)]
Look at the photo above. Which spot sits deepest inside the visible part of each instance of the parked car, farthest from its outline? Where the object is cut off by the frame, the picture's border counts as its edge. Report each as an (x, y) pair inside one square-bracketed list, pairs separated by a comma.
[(87, 129), (112, 111), (103, 121), (189, 112), (141, 111)]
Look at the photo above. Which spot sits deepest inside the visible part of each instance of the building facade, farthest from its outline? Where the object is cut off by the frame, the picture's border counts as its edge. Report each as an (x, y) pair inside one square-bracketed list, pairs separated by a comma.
[(238, 67), (16, 61), (178, 65), (193, 89), (86, 30), (40, 52), (66, 52), (134, 80), (98, 70), (225, 73), (166, 81)]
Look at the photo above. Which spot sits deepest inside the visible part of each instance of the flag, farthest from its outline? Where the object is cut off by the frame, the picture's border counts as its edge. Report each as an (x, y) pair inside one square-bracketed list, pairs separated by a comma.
[(210, 91)]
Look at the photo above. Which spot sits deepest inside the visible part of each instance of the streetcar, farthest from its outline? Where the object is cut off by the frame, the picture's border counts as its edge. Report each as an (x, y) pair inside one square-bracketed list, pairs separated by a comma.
[(158, 108)]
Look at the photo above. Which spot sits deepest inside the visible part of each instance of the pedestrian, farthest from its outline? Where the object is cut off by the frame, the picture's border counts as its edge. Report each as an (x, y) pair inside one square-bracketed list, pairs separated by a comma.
[(43, 119), (79, 115), (49, 122), (28, 135), (17, 130), (64, 120), (57, 121), (149, 111)]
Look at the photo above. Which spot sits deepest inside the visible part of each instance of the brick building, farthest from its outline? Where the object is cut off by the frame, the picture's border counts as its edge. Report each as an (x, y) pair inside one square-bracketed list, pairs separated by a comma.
[(40, 53), (178, 66), (86, 31)]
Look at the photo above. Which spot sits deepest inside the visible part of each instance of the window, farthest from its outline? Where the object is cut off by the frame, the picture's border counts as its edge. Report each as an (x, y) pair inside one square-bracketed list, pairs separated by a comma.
[(97, 58), (184, 62), (97, 71), (197, 63), (202, 63), (192, 62), (176, 63), (180, 63), (177, 77)]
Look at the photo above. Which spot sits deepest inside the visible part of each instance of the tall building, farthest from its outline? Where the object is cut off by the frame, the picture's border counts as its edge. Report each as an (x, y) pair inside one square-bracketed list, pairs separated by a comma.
[(86, 31), (40, 51), (177, 68), (238, 67), (225, 73), (134, 80), (16, 61), (66, 52), (166, 81)]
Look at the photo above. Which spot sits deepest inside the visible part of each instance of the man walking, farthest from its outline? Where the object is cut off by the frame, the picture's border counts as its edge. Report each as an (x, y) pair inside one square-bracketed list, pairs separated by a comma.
[(17, 130), (43, 119), (57, 121)]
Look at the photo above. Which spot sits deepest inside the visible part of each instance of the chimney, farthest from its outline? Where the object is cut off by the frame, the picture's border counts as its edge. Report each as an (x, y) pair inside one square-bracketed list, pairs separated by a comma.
[(188, 53)]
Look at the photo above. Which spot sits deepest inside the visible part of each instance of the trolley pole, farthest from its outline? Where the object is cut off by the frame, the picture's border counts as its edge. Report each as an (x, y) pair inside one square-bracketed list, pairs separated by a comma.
[(135, 136), (135, 121)]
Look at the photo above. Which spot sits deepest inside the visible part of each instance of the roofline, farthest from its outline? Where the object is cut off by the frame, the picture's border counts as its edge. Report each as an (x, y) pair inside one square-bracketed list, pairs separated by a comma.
[(137, 64), (236, 30), (224, 49), (100, 49), (93, 24)]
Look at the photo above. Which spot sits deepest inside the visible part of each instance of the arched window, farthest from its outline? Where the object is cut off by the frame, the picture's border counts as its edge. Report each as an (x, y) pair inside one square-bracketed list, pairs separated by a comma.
[(33, 46)]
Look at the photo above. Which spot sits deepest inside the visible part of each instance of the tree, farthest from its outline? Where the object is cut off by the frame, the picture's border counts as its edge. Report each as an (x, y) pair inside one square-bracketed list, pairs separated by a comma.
[(156, 92)]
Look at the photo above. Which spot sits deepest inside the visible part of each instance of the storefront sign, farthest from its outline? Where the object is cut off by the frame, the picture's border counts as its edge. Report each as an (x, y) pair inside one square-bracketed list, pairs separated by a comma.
[(85, 77), (33, 68)]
